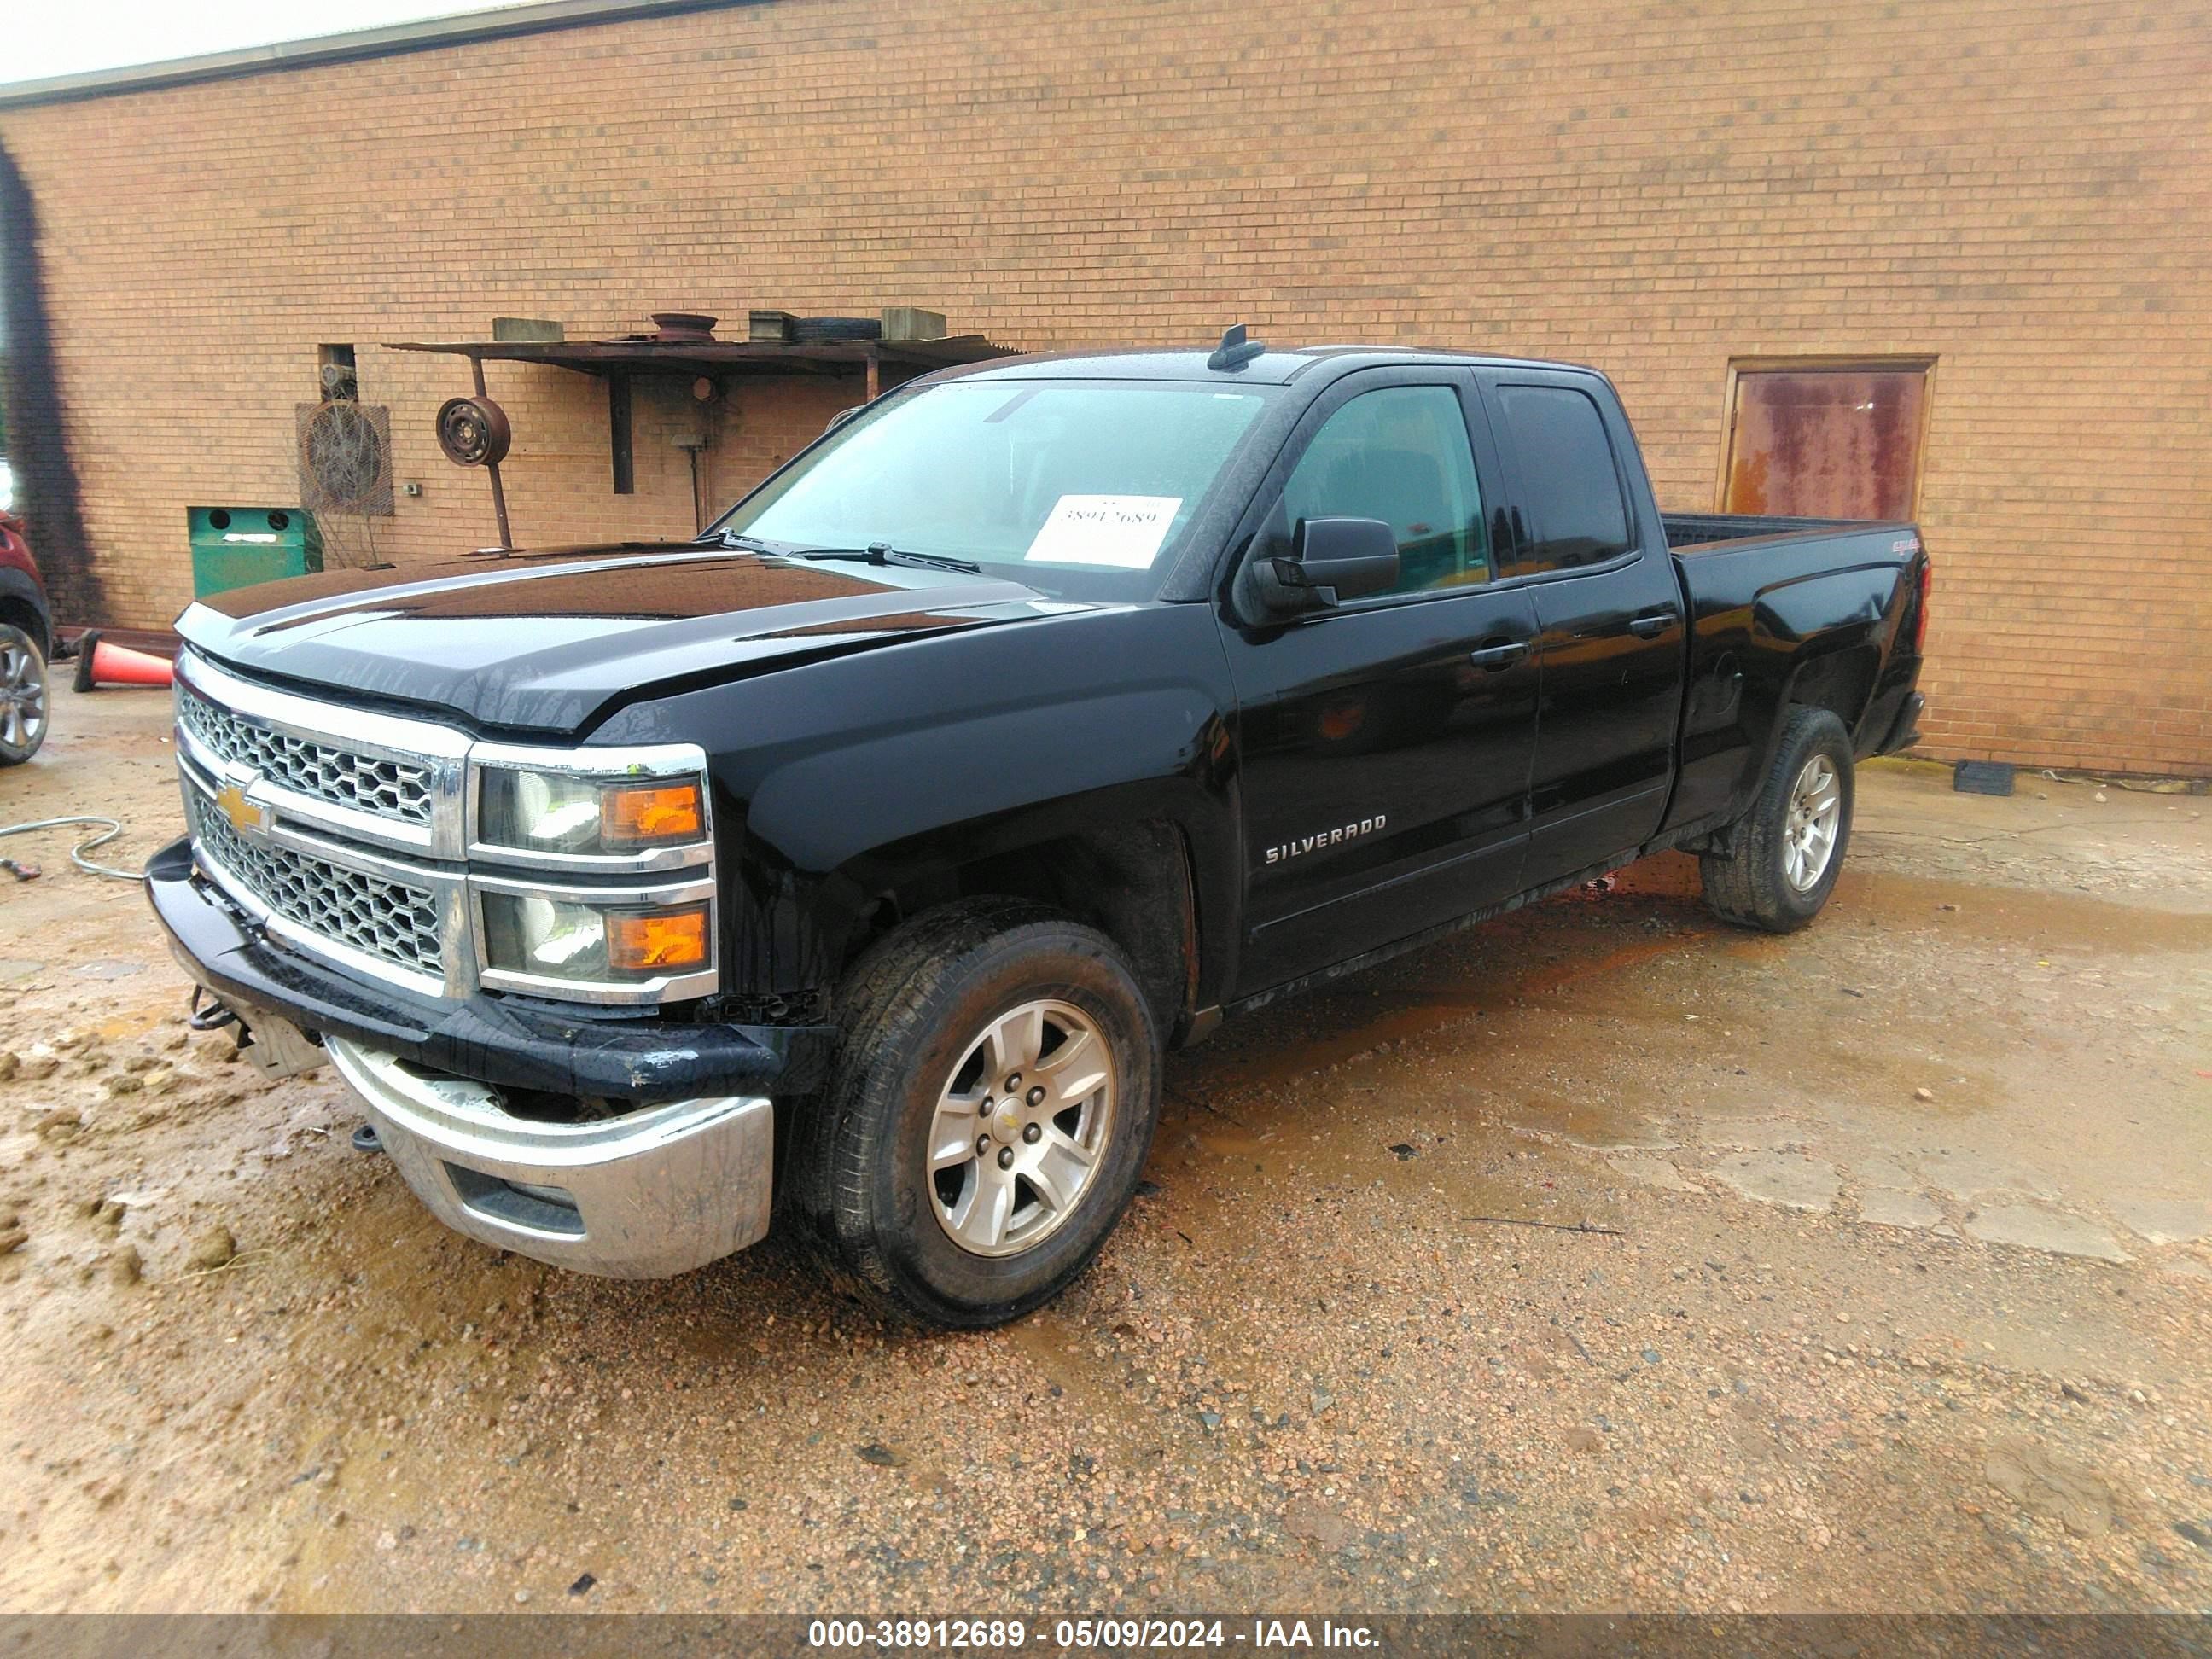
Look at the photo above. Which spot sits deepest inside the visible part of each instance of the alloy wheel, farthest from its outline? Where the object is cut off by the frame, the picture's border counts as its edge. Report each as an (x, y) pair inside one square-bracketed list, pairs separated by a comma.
[(23, 694), (1816, 814), (1021, 1127)]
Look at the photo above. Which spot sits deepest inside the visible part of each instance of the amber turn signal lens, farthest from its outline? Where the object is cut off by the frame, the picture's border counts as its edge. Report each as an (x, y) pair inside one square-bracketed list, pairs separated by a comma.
[(658, 941), (631, 813)]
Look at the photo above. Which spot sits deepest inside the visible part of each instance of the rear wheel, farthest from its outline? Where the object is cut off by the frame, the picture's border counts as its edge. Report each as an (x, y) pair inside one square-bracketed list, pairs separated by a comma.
[(995, 1093), (22, 695), (1785, 853)]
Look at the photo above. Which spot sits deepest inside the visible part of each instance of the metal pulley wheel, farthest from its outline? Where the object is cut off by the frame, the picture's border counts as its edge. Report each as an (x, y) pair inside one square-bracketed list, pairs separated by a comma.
[(474, 432)]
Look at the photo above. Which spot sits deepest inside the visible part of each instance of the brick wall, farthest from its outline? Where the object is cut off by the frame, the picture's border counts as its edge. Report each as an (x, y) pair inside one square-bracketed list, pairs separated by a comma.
[(2020, 190)]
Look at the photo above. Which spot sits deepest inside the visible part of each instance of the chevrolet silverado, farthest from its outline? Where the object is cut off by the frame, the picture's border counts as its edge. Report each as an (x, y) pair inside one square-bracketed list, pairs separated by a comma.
[(852, 866)]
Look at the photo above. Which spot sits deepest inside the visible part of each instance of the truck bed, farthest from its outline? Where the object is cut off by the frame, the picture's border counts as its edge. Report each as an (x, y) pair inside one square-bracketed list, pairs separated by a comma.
[(1782, 610)]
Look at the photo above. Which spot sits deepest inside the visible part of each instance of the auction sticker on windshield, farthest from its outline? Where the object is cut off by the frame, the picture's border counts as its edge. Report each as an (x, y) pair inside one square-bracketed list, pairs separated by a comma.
[(1123, 533)]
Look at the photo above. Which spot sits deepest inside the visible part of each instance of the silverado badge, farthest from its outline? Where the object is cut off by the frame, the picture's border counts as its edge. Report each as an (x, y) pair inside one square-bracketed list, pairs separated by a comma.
[(1313, 844), (245, 817)]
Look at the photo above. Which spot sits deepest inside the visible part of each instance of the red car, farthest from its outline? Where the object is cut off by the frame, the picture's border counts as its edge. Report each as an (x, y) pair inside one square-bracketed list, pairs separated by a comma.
[(27, 632)]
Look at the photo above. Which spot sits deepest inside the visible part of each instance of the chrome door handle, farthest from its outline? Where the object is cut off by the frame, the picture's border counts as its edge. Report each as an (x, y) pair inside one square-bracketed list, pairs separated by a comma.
[(1651, 627), (1499, 656)]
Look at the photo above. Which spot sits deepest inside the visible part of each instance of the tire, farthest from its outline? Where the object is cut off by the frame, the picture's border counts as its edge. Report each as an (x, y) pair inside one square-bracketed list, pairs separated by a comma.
[(26, 702), (1777, 873), (925, 1015)]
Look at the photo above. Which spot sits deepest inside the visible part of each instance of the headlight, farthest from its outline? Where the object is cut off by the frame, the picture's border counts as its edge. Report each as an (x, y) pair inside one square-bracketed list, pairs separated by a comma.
[(563, 813), (605, 820), (563, 938)]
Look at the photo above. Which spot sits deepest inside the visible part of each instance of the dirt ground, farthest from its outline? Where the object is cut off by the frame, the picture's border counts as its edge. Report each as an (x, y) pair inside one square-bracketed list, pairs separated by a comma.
[(1599, 1258)]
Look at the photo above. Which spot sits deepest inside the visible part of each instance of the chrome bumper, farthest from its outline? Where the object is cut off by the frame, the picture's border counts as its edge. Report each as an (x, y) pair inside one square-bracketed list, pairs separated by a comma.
[(658, 1192)]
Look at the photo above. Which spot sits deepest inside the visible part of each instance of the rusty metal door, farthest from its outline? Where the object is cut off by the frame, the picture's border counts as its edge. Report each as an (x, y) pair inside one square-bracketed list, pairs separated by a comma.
[(1826, 443)]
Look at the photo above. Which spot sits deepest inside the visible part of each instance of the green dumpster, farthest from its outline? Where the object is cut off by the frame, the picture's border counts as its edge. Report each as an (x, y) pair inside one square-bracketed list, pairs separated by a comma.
[(239, 546)]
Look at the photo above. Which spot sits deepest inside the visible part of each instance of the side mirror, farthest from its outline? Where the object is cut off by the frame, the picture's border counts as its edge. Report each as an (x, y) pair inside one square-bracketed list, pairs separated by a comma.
[(1331, 560)]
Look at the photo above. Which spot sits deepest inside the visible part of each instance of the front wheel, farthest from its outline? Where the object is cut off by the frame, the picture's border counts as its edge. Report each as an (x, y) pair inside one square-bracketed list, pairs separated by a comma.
[(995, 1093), (1785, 853), (22, 695)]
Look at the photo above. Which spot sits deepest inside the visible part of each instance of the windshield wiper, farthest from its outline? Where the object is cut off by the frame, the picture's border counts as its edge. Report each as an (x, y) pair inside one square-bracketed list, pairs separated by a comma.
[(884, 553), (873, 553)]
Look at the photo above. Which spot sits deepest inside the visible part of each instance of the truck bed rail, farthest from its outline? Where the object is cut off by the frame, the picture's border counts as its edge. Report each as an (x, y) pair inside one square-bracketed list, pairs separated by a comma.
[(1703, 529)]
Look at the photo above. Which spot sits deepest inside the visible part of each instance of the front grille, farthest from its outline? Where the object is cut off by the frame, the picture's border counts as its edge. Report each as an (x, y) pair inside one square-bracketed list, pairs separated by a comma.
[(393, 921), (386, 788)]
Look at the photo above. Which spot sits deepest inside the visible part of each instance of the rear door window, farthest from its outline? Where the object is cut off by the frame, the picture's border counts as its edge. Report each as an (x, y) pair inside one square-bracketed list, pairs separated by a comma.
[(1576, 511)]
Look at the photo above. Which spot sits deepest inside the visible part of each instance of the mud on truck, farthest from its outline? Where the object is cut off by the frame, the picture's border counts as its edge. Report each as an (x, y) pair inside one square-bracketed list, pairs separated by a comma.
[(850, 869)]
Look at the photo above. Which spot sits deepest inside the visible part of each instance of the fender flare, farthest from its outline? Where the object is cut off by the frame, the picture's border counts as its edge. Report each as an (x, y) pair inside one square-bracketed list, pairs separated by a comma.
[(20, 595)]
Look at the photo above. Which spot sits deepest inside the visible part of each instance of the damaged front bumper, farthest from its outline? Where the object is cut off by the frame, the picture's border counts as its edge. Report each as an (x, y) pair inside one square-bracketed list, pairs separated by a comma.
[(679, 1176), (649, 1194)]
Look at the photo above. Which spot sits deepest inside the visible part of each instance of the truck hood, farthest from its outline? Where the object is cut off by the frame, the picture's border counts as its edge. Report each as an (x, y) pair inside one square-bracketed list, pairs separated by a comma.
[(554, 641)]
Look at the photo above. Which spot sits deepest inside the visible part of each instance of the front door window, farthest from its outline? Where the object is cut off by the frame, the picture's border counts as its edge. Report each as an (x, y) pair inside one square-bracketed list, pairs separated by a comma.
[(1401, 455)]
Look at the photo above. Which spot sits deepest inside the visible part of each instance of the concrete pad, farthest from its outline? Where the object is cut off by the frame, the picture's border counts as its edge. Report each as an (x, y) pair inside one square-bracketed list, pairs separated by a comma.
[(1887, 1207), (2164, 1220), (1967, 1173), (2045, 1483), (2033, 1227), (1794, 1183), (1648, 1172), (114, 970), (1882, 1172), (1589, 1126)]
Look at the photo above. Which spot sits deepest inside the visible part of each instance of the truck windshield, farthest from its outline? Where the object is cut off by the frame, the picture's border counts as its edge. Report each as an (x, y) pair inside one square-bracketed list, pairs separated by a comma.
[(1080, 489)]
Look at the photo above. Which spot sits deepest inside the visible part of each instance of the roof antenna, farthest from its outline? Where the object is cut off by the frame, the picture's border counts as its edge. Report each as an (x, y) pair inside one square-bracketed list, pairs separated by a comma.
[(1235, 349)]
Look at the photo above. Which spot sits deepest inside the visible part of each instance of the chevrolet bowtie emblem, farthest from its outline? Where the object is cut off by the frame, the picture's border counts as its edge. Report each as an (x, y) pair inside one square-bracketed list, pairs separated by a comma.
[(243, 815)]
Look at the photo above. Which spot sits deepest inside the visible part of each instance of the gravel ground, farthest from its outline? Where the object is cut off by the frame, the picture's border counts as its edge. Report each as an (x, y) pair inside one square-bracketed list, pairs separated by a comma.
[(1602, 1258)]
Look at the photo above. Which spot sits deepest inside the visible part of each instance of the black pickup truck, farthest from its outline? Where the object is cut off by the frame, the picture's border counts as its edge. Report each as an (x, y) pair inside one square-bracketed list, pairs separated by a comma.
[(855, 864)]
